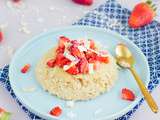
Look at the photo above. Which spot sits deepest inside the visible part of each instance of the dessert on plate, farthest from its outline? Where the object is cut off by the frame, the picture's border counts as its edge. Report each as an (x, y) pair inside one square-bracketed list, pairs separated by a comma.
[(76, 70)]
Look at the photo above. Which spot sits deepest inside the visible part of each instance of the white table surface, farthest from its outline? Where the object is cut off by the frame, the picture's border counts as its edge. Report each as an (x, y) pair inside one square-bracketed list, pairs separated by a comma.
[(38, 16)]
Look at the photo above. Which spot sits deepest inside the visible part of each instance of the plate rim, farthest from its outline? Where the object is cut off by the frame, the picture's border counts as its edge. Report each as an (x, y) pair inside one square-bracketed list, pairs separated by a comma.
[(115, 115)]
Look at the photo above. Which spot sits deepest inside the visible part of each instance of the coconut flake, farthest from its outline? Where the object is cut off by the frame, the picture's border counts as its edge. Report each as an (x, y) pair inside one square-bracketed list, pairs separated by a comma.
[(91, 68), (71, 115), (69, 56), (66, 67), (82, 48), (70, 104)]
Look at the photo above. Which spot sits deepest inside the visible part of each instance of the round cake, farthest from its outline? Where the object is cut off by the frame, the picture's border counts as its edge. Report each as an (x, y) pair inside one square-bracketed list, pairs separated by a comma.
[(71, 85)]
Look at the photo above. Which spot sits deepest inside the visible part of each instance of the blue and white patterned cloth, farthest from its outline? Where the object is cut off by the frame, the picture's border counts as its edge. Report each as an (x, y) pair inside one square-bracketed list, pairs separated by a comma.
[(112, 16)]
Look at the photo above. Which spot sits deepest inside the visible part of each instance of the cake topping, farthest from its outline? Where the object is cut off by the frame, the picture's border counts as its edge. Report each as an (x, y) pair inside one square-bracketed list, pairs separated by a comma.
[(78, 56)]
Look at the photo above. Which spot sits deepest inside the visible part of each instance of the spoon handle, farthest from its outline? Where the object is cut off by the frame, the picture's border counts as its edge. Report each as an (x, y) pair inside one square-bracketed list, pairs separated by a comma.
[(152, 104)]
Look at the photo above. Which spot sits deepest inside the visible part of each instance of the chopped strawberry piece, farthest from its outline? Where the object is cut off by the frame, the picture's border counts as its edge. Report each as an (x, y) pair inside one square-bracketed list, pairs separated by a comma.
[(75, 42), (60, 49), (61, 60), (76, 52), (51, 63), (92, 44), (1, 36), (83, 65), (73, 70), (62, 41), (25, 68), (127, 94), (56, 111), (91, 56), (103, 59)]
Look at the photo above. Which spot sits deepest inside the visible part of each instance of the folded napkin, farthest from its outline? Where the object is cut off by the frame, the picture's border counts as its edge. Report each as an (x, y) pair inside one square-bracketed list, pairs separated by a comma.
[(112, 16)]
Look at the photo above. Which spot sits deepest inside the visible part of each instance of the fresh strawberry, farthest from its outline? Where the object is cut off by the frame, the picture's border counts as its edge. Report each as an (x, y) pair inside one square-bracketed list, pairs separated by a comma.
[(83, 66), (25, 68), (92, 44), (75, 42), (51, 63), (62, 41), (1, 36), (76, 52), (84, 2), (61, 60), (73, 70), (91, 56), (4, 115), (56, 111), (142, 14), (60, 50), (127, 94), (103, 59)]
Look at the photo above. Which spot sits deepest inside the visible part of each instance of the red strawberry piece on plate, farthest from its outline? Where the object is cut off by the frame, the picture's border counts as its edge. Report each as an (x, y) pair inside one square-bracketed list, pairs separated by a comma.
[(25, 68), (92, 44), (76, 52), (83, 66), (51, 63), (60, 49), (142, 14), (56, 111), (84, 2), (75, 42), (103, 59), (1, 36), (73, 70), (61, 60), (62, 41), (127, 94), (91, 56)]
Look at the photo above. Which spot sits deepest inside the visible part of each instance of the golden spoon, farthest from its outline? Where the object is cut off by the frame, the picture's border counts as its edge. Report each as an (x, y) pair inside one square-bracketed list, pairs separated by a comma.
[(125, 59)]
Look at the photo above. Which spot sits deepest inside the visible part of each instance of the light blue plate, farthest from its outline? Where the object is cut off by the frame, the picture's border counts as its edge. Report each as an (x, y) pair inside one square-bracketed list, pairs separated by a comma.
[(41, 102)]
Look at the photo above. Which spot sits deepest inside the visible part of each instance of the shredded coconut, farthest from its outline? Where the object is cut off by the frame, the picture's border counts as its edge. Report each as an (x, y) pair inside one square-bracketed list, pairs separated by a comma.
[(82, 48), (69, 56), (66, 67)]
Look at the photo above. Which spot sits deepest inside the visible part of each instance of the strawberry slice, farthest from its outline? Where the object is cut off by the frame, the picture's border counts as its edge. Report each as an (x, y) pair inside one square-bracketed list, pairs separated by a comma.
[(103, 59), (61, 60), (84, 2), (51, 63), (1, 36), (56, 111), (76, 52), (25, 68), (83, 66), (62, 41), (92, 44), (142, 14), (127, 94), (91, 56), (73, 70)]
